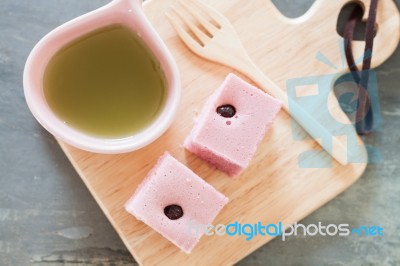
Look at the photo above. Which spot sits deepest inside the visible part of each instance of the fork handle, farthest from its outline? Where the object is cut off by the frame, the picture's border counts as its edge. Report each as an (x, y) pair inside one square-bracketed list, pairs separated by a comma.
[(317, 131)]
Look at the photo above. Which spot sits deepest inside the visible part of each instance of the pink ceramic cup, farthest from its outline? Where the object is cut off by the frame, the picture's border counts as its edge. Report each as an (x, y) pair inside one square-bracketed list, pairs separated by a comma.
[(128, 13)]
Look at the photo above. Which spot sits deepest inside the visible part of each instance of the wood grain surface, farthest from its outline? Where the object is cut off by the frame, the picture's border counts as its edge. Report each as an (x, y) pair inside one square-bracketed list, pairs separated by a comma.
[(274, 188)]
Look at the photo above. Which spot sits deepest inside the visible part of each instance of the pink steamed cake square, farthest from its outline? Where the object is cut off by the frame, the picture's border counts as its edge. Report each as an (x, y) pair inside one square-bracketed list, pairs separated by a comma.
[(230, 143), (168, 183)]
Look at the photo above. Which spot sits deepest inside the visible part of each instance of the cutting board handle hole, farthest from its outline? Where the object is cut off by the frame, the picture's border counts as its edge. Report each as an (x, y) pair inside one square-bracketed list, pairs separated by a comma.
[(359, 31)]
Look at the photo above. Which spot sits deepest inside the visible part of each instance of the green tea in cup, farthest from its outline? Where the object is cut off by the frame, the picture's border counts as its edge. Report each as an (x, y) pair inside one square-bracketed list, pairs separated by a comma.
[(106, 83)]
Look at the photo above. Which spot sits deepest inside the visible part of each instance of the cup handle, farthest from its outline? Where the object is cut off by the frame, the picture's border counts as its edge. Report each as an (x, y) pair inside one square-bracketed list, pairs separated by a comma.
[(128, 4)]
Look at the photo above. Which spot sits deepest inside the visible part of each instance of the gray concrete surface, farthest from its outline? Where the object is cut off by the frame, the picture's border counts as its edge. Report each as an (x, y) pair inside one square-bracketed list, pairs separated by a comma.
[(48, 217)]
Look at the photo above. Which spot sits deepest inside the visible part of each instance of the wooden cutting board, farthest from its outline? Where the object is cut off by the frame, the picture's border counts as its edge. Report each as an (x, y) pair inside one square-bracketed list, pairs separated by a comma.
[(274, 187)]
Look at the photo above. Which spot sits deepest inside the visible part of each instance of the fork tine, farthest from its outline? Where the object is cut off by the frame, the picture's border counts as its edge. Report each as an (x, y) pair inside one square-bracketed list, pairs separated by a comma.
[(204, 22), (187, 39), (214, 14), (199, 34)]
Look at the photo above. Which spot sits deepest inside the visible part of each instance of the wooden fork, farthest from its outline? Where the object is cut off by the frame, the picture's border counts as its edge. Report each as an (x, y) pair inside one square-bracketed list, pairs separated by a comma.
[(216, 40)]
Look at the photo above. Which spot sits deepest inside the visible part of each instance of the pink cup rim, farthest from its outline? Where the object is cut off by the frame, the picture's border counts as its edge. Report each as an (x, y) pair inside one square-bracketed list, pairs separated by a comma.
[(125, 12)]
